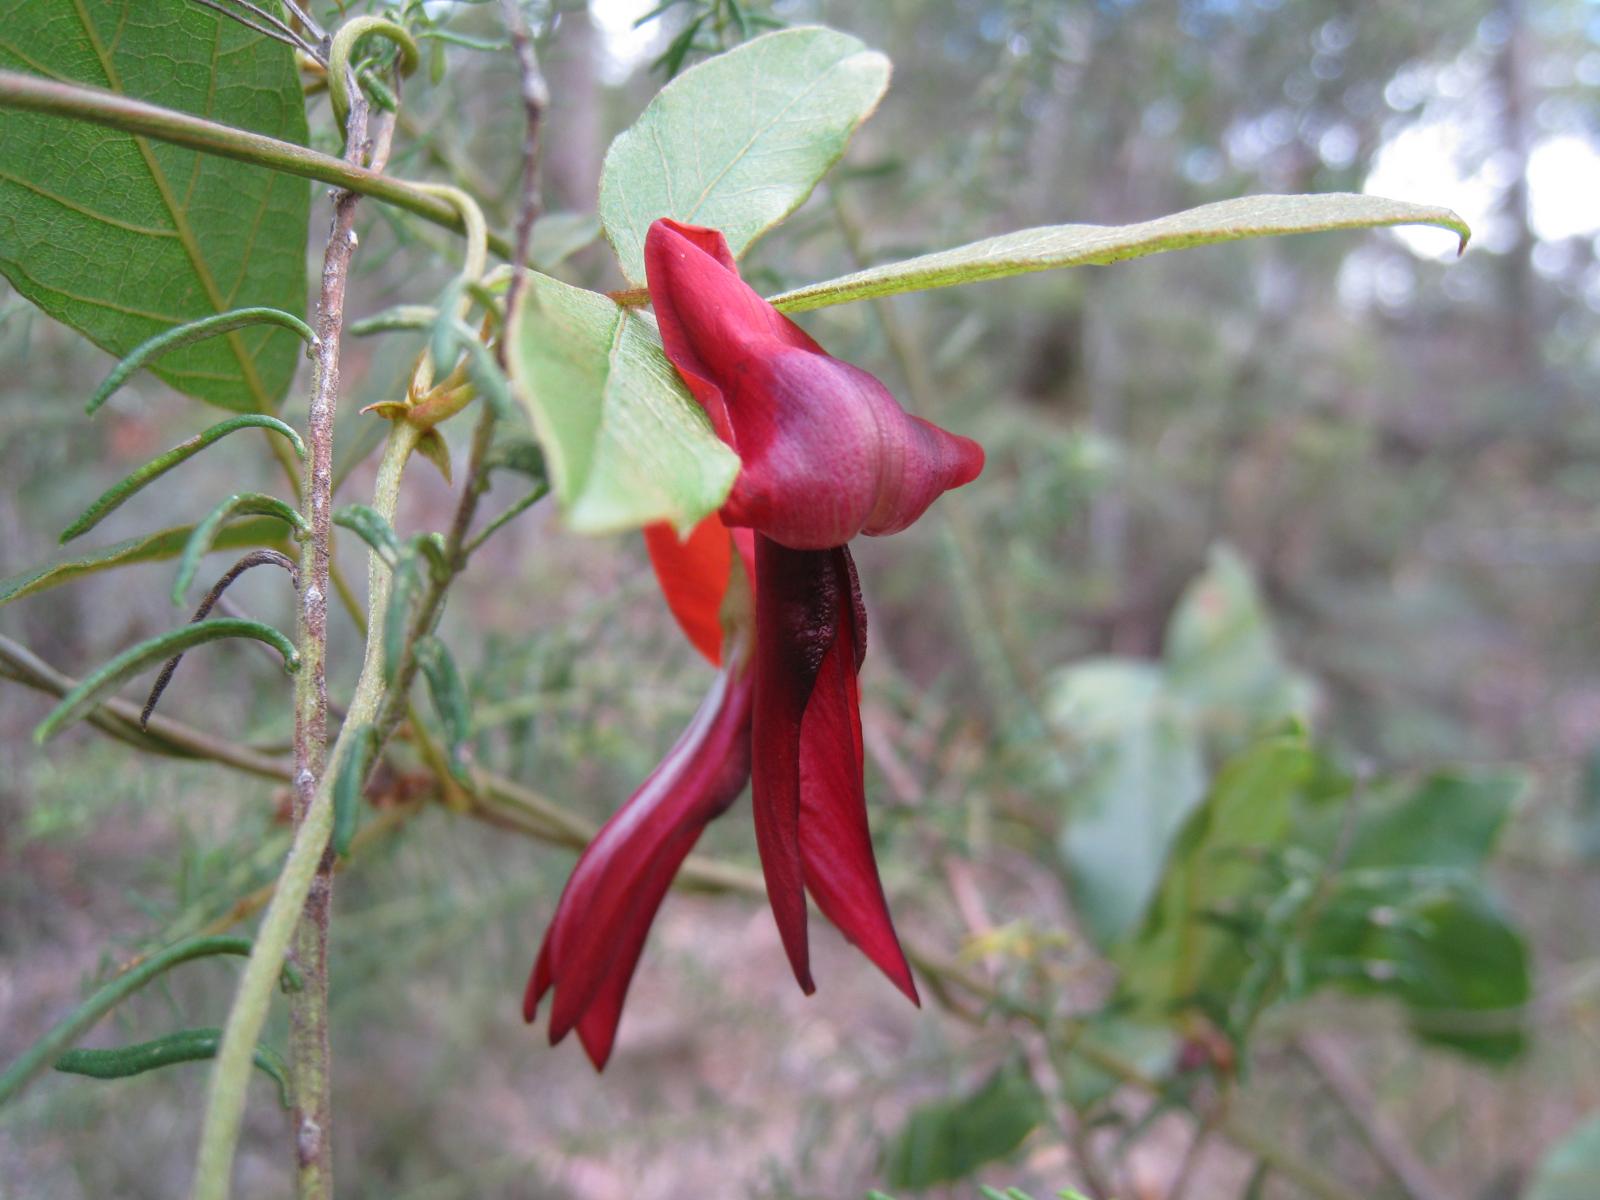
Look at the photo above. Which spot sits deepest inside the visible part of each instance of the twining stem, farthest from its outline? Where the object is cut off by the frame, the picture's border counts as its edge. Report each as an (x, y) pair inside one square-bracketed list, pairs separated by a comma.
[(309, 1050), (100, 107)]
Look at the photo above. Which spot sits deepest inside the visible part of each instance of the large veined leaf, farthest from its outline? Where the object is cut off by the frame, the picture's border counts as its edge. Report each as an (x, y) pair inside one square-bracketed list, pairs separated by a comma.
[(953, 1138), (1051, 246), (1141, 773), (625, 442), (1217, 862), (739, 141), (123, 237)]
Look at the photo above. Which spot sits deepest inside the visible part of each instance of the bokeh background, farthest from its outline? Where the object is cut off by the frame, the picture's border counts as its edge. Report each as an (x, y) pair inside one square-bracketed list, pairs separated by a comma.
[(1394, 452)]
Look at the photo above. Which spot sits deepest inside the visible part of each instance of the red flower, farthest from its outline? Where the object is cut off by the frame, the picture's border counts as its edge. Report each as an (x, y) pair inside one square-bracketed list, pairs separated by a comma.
[(826, 453), (593, 943)]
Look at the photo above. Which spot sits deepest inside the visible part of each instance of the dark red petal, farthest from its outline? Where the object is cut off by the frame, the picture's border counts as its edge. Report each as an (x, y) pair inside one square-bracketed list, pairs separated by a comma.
[(693, 574), (798, 597), (835, 843), (606, 909), (706, 312), (826, 451)]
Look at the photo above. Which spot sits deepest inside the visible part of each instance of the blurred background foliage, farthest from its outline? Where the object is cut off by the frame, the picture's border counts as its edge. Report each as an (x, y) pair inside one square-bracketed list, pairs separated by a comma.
[(1341, 484)]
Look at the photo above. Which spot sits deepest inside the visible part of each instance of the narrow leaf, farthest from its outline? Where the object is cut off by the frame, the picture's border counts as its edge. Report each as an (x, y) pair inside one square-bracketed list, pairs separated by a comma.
[(123, 237), (120, 493), (188, 1045), (192, 332), (404, 593), (1051, 246), (449, 695), (154, 650), (205, 533), (625, 443), (558, 236), (80, 1020), (347, 787), (372, 528), (740, 165), (149, 547)]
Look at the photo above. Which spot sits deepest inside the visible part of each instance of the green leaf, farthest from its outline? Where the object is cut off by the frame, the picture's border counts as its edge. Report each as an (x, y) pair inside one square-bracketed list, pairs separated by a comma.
[(1570, 1170), (206, 532), (953, 1138), (124, 237), (190, 333), (1215, 865), (1444, 951), (449, 694), (1221, 653), (1451, 820), (739, 141), (625, 443), (187, 1045), (147, 653), (373, 528), (347, 788), (558, 236), (121, 492), (1148, 1047), (149, 547), (1051, 246), (1140, 773), (79, 1021)]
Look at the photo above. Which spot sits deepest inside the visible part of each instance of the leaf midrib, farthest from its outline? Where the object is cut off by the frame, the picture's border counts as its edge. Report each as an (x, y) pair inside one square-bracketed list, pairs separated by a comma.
[(180, 222)]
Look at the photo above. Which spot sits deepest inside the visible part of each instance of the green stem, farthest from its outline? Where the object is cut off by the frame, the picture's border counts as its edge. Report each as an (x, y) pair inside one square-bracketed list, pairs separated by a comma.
[(32, 94), (225, 1106), (48, 1048)]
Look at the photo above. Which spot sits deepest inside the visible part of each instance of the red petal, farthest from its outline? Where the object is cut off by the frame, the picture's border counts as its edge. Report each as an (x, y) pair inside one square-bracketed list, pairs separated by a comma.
[(826, 452), (693, 574), (798, 595), (835, 843), (606, 909)]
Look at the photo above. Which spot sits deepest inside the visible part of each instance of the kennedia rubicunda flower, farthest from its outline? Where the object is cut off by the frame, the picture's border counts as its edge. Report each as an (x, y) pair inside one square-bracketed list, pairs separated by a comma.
[(825, 454)]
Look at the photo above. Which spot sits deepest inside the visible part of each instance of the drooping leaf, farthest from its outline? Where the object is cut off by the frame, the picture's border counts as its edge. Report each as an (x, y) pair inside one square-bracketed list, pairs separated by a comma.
[(347, 786), (1570, 1170), (1051, 246), (953, 1138), (1140, 774), (1216, 864), (206, 532), (124, 237), (625, 443), (150, 547), (739, 141), (187, 1045), (373, 528), (1222, 654), (151, 651), (125, 489), (449, 694)]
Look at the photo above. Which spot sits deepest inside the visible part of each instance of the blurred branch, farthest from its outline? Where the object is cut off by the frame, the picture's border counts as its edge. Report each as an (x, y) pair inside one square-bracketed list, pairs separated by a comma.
[(1332, 1068)]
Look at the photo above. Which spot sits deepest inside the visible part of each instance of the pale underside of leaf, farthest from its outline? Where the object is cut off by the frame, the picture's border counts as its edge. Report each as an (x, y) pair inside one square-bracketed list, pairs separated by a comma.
[(739, 141), (625, 442), (1050, 246), (122, 237)]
